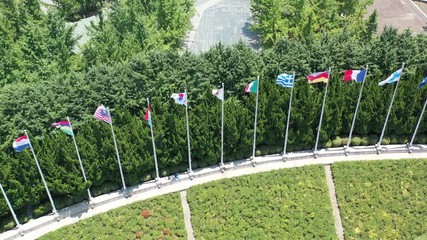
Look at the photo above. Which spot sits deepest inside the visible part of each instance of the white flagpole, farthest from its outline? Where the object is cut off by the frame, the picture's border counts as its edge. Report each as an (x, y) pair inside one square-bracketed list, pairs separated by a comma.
[(418, 124), (378, 145), (41, 174), (154, 145), (255, 121), (321, 114), (188, 134), (355, 112), (10, 207), (222, 125), (117, 150), (80, 159), (289, 116)]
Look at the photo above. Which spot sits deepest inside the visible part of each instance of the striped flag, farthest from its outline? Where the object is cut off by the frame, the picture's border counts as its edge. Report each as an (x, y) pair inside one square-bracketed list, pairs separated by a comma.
[(422, 83), (394, 77), (318, 77), (65, 126), (102, 114), (21, 143), (285, 80), (147, 116), (252, 87)]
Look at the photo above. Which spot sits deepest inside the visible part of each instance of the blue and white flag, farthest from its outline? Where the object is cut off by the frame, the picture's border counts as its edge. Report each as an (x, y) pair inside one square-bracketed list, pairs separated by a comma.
[(393, 78), (422, 83), (285, 80)]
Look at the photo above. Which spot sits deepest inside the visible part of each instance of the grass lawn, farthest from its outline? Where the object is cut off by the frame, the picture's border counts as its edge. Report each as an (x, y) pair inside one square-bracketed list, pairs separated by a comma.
[(382, 199), (284, 204), (157, 218)]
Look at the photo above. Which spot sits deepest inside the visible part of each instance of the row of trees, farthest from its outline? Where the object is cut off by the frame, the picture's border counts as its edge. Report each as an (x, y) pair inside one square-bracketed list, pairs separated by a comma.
[(156, 74)]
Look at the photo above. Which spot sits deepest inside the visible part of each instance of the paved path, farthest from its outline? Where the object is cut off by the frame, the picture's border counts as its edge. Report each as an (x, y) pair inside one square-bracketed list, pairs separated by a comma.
[(401, 14), (38, 227), (225, 21), (187, 215), (333, 197)]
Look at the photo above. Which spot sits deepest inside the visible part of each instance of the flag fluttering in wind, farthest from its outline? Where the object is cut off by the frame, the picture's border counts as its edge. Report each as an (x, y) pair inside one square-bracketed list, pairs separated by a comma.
[(252, 87), (147, 116), (392, 78), (285, 80), (422, 83), (180, 98), (318, 77), (355, 75), (65, 126), (21, 143), (219, 93), (102, 114)]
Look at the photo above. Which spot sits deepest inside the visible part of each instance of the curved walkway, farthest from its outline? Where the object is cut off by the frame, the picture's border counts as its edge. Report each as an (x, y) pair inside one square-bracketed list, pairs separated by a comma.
[(38, 227)]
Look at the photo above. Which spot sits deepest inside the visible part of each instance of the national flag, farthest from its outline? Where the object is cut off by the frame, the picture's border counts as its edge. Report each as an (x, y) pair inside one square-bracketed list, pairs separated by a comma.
[(356, 75), (180, 98), (102, 114), (65, 126), (318, 77), (219, 93), (285, 80), (252, 87), (422, 83), (393, 78), (21, 143), (147, 116)]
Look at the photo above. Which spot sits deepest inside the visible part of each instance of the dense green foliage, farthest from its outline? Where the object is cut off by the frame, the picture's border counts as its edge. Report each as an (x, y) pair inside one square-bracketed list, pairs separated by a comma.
[(76, 9), (382, 200), (135, 54), (284, 204), (300, 19), (157, 218)]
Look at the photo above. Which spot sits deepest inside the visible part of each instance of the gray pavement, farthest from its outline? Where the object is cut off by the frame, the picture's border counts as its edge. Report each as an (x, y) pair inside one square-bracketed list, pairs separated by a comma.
[(333, 198), (401, 14), (221, 21), (187, 215)]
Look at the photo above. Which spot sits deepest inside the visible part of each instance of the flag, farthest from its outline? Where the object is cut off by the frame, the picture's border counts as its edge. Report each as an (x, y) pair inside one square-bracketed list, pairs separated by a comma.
[(147, 116), (422, 83), (21, 143), (65, 126), (285, 80), (318, 77), (393, 78), (252, 87), (102, 114), (219, 93), (180, 98), (356, 75)]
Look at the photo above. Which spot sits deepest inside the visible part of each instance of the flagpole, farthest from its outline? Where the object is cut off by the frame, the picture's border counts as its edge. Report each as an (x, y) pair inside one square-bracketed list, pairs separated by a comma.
[(222, 125), (289, 116), (378, 145), (321, 114), (188, 136), (117, 150), (154, 145), (355, 112), (41, 174), (18, 225), (80, 159), (416, 128), (255, 121)]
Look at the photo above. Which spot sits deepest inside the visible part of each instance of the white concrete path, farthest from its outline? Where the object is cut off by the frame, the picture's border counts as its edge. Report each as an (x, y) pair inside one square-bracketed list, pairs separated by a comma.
[(187, 215), (333, 198), (38, 227)]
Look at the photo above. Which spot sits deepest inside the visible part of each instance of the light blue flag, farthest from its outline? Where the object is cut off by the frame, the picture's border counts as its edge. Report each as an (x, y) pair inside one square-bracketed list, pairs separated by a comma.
[(285, 80), (393, 78), (422, 83)]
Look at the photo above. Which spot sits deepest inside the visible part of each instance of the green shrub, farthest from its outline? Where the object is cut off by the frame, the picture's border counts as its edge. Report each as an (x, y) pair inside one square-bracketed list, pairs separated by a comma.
[(394, 139), (356, 141), (42, 210), (373, 139), (344, 141), (404, 139), (385, 141), (9, 224), (328, 144), (258, 153), (364, 141), (337, 142)]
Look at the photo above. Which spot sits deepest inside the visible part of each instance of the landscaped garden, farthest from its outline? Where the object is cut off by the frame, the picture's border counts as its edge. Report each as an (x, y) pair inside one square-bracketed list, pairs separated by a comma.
[(157, 218)]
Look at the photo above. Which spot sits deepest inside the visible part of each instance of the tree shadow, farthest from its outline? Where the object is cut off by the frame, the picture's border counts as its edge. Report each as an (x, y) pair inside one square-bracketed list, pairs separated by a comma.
[(253, 38)]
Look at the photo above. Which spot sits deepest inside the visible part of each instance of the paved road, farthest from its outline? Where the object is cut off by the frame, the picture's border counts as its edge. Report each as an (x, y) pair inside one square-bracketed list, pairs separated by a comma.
[(401, 14), (225, 21)]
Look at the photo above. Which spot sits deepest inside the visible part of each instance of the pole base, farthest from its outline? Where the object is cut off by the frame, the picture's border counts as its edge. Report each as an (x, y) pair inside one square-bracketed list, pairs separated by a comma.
[(346, 150), (253, 161), (315, 153), (379, 148), (191, 174), (57, 217), (284, 157), (20, 229), (410, 148), (158, 183), (222, 168)]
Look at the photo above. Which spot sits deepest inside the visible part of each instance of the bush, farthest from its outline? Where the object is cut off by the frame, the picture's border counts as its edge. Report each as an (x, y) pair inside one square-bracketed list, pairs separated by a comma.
[(385, 141), (328, 144), (422, 138), (337, 142), (9, 224), (356, 141), (394, 139), (344, 141), (42, 210), (404, 139), (258, 153), (364, 141), (373, 139)]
